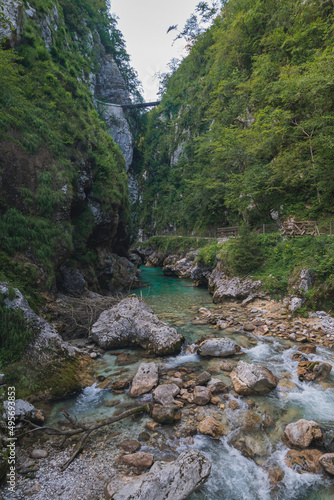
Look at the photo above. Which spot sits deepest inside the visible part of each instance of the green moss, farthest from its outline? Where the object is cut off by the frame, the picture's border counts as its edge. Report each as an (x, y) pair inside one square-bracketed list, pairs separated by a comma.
[(57, 379)]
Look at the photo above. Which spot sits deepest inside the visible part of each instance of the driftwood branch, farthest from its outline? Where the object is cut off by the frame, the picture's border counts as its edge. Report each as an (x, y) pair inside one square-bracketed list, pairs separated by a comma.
[(79, 428)]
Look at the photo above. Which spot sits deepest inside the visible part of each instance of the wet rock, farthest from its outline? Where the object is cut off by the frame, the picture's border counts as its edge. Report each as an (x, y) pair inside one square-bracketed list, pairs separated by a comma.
[(120, 385), (218, 347), (275, 475), (140, 460), (301, 434), (201, 395), (125, 359), (144, 436), (151, 425), (313, 370), (165, 393), (249, 327), (177, 381), (216, 386), (327, 461), (308, 349), (226, 367), (304, 461), (234, 404), (249, 379), (145, 379), (39, 454), (203, 378), (250, 447), (167, 414), (175, 480), (132, 322), (211, 427), (130, 445)]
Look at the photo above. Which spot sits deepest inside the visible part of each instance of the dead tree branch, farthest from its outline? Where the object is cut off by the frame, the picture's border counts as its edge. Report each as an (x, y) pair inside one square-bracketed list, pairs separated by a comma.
[(85, 430)]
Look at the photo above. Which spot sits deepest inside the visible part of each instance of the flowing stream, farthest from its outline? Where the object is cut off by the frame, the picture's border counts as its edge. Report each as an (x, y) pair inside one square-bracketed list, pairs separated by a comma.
[(233, 476)]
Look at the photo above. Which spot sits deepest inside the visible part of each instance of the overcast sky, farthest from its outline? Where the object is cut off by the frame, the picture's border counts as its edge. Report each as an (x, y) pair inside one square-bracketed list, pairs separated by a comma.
[(144, 24)]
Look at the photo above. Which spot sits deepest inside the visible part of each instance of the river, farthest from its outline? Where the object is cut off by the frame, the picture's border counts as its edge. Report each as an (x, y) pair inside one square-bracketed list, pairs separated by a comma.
[(233, 476)]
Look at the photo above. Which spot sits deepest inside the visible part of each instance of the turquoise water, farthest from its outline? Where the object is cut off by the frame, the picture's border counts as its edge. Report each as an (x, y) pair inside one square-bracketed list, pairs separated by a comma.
[(234, 476)]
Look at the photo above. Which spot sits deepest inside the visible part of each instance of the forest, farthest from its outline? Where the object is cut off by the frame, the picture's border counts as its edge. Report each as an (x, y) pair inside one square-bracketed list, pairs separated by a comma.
[(244, 129)]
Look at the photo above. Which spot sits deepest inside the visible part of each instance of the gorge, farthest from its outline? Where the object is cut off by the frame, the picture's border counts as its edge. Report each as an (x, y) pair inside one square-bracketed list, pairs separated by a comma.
[(115, 292)]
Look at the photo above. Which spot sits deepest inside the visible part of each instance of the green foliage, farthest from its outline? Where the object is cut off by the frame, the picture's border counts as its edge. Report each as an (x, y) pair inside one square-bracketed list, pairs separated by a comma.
[(207, 254), (243, 254), (250, 114), (15, 334), (174, 244)]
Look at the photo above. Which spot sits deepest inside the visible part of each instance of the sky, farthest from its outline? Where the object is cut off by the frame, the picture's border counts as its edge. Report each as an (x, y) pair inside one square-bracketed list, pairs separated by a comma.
[(144, 24)]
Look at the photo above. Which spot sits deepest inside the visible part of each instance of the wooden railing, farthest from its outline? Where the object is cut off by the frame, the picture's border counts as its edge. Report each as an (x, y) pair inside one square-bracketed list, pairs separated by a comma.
[(300, 228), (227, 232)]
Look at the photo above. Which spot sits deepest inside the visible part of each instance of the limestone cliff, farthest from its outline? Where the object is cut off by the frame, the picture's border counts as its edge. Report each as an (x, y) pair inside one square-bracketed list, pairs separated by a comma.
[(58, 168)]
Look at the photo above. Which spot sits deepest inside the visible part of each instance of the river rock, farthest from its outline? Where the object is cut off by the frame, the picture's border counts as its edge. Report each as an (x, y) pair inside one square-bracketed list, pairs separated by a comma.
[(202, 395), (249, 379), (313, 370), (327, 461), (174, 480), (216, 386), (166, 414), (301, 434), (39, 454), (131, 322), (165, 393), (203, 378), (304, 461), (23, 410), (145, 379), (211, 427), (141, 460), (219, 347), (130, 445)]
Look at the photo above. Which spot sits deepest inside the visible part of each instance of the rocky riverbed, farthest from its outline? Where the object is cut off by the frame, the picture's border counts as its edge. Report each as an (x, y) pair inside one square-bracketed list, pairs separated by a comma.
[(246, 380)]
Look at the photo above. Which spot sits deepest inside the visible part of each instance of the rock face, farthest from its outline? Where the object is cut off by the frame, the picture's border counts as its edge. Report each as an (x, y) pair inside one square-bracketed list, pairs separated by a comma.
[(46, 341), (235, 288), (301, 434), (217, 348), (327, 461), (313, 370), (13, 12), (145, 379), (248, 379), (175, 480), (132, 322), (305, 461)]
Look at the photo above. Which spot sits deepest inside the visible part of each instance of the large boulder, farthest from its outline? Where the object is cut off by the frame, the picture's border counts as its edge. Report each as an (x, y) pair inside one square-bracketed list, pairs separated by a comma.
[(248, 379), (219, 347), (301, 434), (165, 393), (224, 288), (133, 323), (175, 480), (313, 370), (145, 379)]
